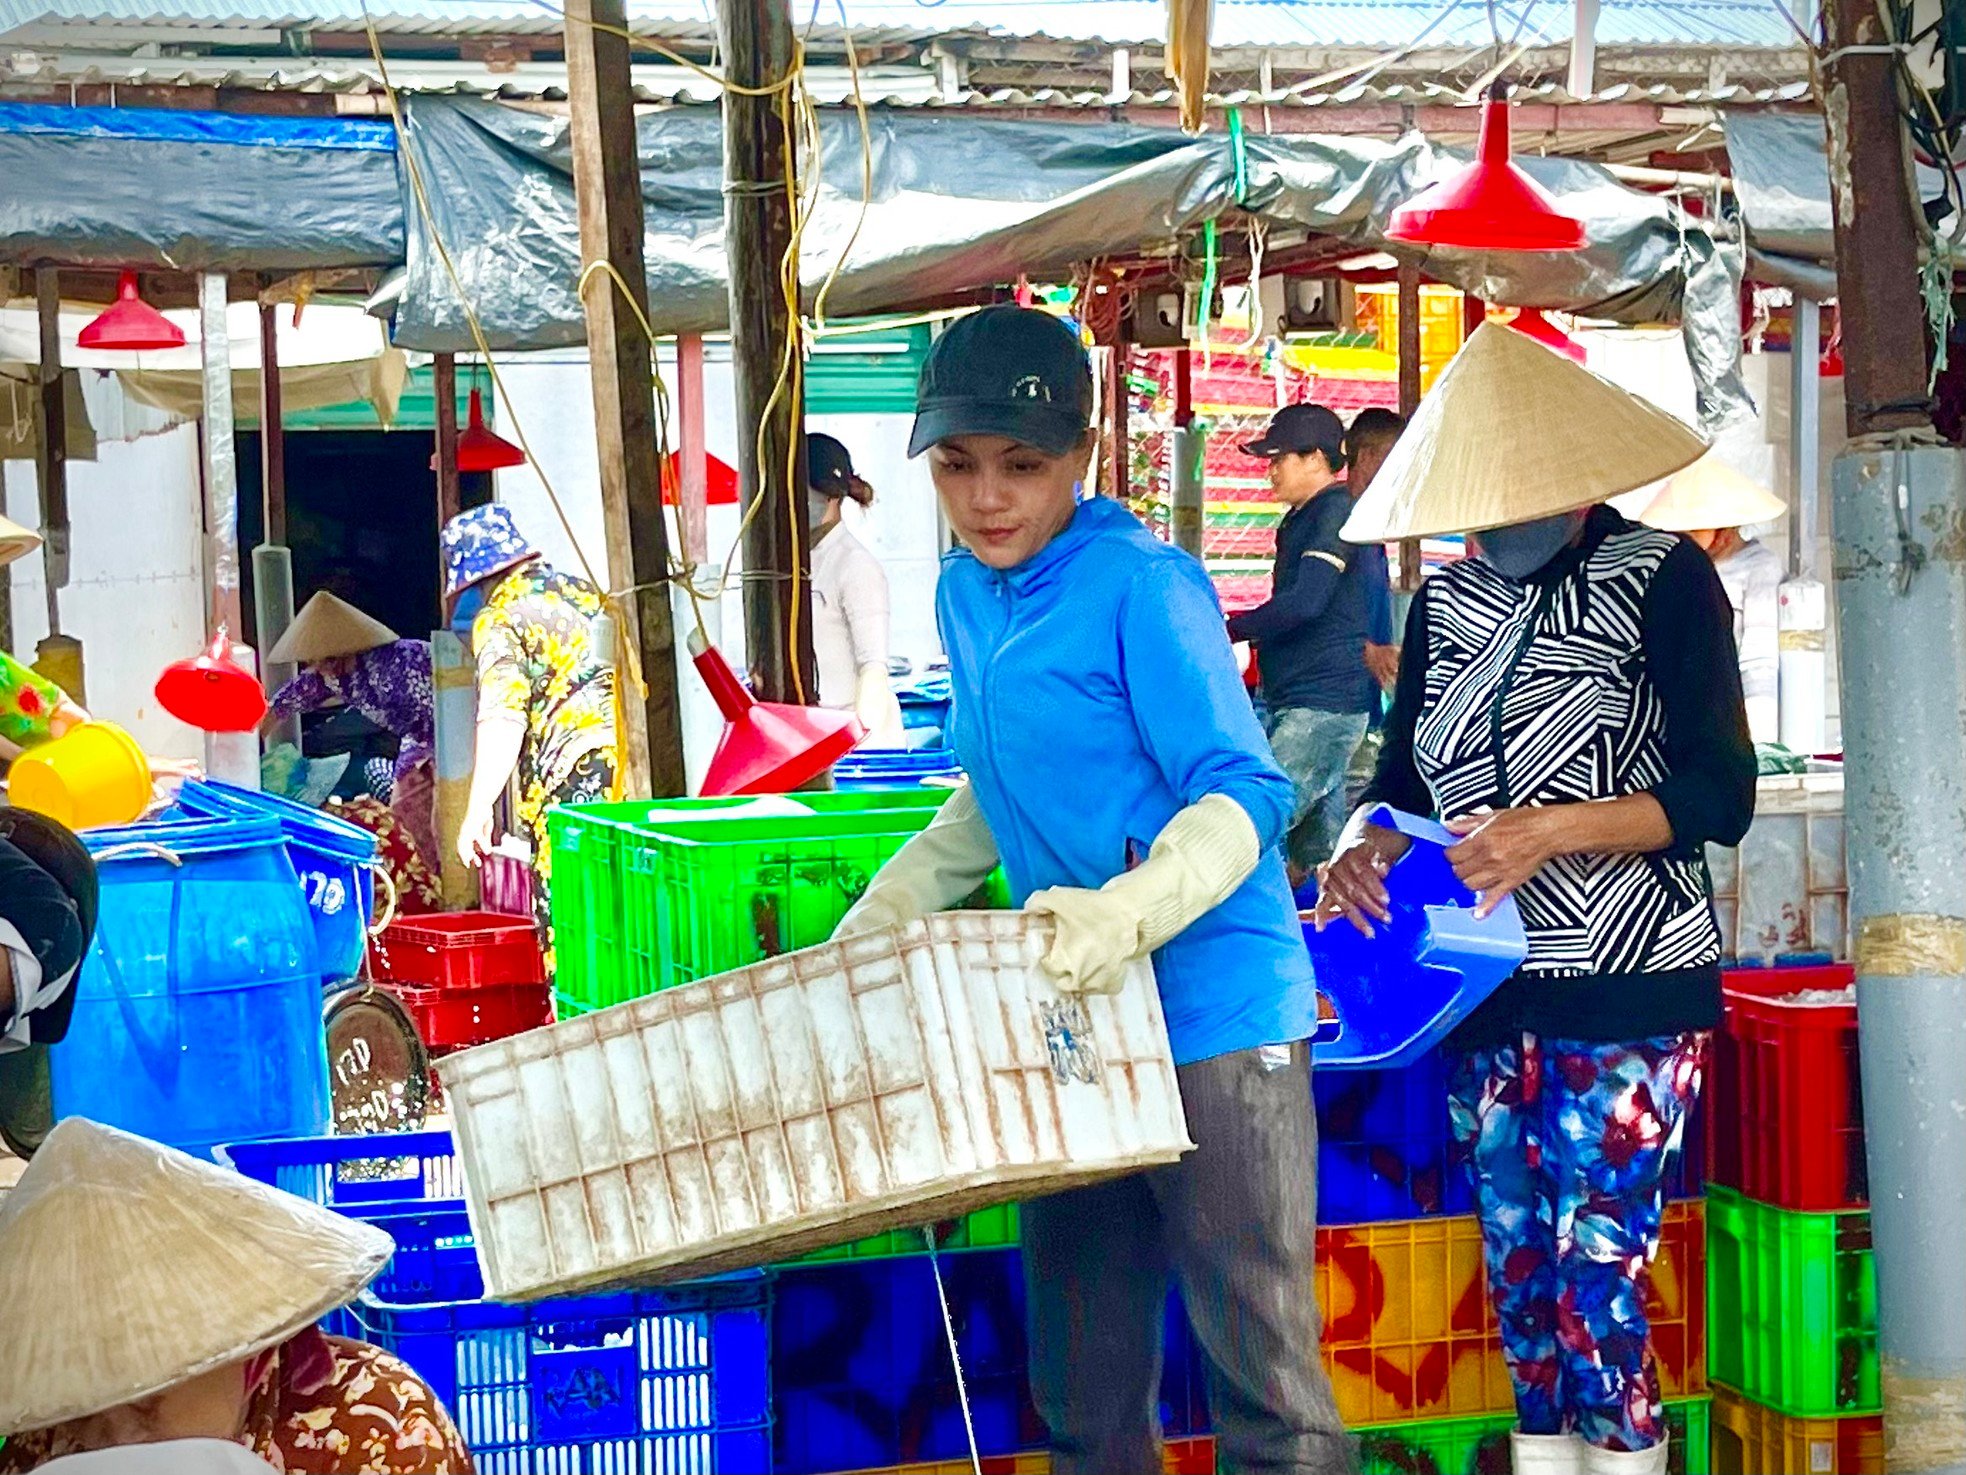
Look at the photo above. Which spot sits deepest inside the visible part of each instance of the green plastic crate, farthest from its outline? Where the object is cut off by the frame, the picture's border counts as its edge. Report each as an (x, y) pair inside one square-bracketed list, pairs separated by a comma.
[(986, 1229), (1792, 1299), (1481, 1446), (663, 894)]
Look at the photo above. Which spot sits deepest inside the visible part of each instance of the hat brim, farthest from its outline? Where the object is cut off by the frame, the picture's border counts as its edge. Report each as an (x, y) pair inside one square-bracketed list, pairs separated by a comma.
[(450, 595), (1262, 448), (1042, 426)]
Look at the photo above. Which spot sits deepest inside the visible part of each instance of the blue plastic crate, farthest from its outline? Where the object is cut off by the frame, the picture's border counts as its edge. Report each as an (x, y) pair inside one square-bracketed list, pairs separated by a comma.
[(360, 1176), (893, 768), (860, 1362), (1384, 1150), (675, 1380)]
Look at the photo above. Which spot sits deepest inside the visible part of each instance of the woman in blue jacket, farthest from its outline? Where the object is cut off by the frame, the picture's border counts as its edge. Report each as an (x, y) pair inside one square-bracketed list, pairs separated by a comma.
[(1118, 773)]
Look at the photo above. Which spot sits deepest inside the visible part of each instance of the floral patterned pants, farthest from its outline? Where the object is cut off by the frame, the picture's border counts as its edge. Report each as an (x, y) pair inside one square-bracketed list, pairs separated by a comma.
[(1567, 1144)]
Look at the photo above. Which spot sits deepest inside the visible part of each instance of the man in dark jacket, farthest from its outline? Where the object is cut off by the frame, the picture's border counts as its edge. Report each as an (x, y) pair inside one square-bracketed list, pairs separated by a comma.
[(47, 917), (1310, 637)]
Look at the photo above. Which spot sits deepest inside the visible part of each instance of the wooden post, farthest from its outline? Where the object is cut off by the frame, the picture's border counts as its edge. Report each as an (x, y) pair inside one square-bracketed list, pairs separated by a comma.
[(272, 433), (1410, 364), (608, 187), (51, 444), (693, 494), (756, 39), (1116, 418), (1883, 316)]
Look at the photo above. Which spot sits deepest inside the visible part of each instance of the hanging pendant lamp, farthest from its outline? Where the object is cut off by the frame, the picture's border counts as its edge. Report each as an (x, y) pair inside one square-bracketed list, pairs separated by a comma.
[(1489, 205), (129, 324), (479, 447), (767, 748), (212, 691), (1531, 323)]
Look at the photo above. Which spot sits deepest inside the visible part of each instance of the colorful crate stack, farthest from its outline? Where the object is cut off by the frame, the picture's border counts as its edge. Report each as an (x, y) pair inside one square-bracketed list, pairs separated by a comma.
[(1793, 1279)]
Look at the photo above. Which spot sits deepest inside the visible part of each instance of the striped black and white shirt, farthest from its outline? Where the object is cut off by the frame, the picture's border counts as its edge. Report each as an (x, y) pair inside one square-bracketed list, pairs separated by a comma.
[(1611, 671)]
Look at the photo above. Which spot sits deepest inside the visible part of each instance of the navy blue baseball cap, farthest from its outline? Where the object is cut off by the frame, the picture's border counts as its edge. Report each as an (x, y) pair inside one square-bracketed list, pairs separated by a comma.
[(829, 467), (1299, 430), (1009, 371)]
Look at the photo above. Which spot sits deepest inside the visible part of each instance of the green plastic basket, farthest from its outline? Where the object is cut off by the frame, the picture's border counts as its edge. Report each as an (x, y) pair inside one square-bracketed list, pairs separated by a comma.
[(1792, 1300), (986, 1229), (648, 896), (1480, 1446)]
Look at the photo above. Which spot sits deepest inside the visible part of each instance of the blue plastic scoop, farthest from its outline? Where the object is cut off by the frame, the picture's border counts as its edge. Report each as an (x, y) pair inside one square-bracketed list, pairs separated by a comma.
[(1398, 993)]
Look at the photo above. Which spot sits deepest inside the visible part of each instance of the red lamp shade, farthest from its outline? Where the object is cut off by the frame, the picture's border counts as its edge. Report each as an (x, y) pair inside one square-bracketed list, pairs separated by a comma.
[(130, 324), (212, 691), (1489, 205), (1530, 322), (479, 447), (766, 748)]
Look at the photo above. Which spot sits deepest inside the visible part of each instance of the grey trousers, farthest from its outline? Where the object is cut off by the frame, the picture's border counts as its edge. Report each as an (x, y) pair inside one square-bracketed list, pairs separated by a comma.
[(1315, 749), (1234, 1223)]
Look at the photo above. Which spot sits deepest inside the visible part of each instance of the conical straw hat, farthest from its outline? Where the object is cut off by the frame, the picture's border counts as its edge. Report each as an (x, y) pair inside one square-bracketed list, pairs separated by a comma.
[(130, 1267), (1710, 494), (16, 542), (328, 626), (1512, 432)]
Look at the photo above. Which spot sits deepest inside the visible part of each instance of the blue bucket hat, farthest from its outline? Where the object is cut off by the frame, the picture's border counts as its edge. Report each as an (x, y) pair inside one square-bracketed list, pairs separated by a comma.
[(479, 543)]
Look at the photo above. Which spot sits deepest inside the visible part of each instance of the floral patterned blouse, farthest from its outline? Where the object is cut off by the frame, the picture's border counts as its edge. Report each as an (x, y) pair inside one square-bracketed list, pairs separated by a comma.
[(534, 645), (331, 1407), (389, 685)]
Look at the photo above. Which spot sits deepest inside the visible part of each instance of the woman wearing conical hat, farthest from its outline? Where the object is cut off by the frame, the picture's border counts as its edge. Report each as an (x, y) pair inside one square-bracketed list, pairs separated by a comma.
[(1711, 502), (1568, 702), (349, 659), (154, 1297)]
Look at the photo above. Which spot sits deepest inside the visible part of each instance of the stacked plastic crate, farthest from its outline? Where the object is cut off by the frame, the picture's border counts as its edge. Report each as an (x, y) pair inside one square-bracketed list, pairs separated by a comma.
[(1793, 1279)]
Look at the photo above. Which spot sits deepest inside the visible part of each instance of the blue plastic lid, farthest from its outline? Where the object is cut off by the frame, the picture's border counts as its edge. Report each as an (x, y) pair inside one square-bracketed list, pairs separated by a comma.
[(182, 837), (215, 798)]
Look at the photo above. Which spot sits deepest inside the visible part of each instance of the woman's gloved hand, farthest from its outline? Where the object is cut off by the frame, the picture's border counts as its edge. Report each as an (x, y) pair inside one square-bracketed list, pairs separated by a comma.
[(936, 869), (878, 709), (1204, 854)]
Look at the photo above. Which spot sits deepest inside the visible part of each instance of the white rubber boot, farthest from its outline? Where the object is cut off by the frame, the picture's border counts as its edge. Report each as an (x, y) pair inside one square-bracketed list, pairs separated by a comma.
[(1547, 1454), (1626, 1462)]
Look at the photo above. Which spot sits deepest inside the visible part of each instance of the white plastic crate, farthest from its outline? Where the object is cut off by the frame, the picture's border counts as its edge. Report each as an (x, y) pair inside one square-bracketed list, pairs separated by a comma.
[(838, 1092), (1784, 891)]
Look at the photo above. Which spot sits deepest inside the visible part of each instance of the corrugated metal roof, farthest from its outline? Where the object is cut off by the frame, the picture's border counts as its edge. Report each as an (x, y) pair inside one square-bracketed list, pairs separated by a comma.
[(1238, 23), (881, 87)]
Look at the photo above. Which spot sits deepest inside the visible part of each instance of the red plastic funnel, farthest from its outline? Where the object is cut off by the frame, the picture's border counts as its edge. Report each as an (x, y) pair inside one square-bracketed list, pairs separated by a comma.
[(1530, 322), (479, 447), (767, 748), (130, 324), (212, 691), (1489, 205)]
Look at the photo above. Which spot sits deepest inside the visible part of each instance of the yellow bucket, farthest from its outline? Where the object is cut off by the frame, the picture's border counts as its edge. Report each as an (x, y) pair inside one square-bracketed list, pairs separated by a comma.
[(94, 774)]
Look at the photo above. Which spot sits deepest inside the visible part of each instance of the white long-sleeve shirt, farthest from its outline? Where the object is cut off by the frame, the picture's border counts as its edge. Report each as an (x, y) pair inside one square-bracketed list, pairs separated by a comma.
[(1752, 576), (849, 615)]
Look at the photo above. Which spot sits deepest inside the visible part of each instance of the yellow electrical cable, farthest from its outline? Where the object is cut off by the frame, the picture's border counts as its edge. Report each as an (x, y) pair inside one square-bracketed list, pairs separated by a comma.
[(791, 97)]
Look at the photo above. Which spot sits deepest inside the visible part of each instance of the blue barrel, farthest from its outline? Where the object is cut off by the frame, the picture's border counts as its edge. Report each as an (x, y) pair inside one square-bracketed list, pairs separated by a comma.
[(198, 1009), (333, 859)]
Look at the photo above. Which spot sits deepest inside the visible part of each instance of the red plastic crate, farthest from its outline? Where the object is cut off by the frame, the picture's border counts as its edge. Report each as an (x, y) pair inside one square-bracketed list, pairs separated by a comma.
[(451, 1019), (458, 950), (1787, 1118)]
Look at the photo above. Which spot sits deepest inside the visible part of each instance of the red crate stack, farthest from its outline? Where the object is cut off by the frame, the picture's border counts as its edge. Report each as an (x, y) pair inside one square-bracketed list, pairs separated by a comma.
[(466, 978), (1787, 1121)]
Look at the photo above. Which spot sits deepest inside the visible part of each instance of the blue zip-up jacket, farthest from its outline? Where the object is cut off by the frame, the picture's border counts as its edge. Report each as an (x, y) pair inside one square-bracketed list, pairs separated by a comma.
[(1095, 697)]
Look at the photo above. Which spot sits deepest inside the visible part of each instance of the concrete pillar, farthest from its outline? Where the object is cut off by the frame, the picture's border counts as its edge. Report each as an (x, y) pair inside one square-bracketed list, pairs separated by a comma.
[(1900, 519)]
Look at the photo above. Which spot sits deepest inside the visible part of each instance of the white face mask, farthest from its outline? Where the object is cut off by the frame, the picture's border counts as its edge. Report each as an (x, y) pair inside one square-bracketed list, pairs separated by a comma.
[(1519, 550)]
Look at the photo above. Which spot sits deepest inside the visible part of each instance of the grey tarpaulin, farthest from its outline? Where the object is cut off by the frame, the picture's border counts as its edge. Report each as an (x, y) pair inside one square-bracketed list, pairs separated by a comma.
[(960, 201), (1780, 165), (196, 191)]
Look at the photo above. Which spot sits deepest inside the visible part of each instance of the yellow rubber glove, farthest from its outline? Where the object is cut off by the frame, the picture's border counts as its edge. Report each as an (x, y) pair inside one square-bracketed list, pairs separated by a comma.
[(932, 872), (1204, 854)]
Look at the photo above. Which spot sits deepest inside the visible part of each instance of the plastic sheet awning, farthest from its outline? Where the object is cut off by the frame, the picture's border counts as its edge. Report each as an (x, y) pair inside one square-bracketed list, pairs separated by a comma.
[(152, 188), (959, 201)]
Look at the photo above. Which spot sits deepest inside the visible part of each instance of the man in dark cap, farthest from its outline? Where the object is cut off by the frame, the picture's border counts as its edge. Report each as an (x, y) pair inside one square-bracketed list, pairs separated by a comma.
[(47, 917), (1310, 637)]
